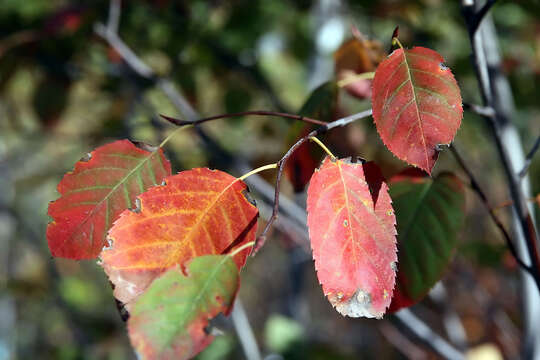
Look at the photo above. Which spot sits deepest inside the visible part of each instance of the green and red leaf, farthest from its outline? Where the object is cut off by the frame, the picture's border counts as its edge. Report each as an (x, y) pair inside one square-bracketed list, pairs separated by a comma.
[(416, 105), (96, 192), (197, 212), (352, 231), (430, 214), (168, 321)]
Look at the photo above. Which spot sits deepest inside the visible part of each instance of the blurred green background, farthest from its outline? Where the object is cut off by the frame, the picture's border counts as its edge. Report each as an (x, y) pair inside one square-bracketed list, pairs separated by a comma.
[(65, 91)]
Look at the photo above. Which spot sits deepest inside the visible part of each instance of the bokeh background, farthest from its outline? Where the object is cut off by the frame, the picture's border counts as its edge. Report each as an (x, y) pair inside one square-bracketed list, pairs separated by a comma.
[(64, 91)]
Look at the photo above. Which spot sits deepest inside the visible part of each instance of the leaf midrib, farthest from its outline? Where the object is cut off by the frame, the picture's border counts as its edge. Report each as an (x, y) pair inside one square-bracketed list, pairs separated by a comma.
[(113, 189), (419, 122)]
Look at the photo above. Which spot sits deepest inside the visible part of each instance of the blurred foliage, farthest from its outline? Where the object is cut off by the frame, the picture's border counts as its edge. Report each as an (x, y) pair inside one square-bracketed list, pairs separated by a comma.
[(64, 91)]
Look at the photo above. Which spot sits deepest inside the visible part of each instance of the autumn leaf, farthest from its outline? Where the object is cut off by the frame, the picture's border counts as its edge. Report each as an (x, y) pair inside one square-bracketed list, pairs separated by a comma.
[(352, 230), (96, 192), (168, 321), (356, 56), (430, 214), (197, 212), (416, 105)]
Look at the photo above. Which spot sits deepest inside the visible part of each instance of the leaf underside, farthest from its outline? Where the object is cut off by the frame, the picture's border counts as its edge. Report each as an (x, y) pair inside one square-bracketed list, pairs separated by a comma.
[(352, 231), (168, 321), (430, 213), (96, 192), (197, 212), (416, 105)]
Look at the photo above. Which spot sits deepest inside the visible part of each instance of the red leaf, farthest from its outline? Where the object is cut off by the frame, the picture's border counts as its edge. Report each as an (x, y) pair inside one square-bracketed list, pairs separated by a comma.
[(416, 105), (198, 212), (96, 192), (352, 230)]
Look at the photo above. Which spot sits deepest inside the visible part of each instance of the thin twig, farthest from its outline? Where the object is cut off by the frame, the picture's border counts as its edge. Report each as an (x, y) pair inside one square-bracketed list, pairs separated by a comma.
[(529, 157), (180, 122), (484, 111), (475, 186), (283, 161), (427, 336)]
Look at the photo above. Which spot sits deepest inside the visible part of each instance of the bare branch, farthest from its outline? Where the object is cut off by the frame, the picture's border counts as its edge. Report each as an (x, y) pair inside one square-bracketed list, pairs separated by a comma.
[(244, 331), (475, 186), (427, 336), (180, 122), (115, 10), (496, 93), (528, 159), (401, 343), (283, 161), (484, 111)]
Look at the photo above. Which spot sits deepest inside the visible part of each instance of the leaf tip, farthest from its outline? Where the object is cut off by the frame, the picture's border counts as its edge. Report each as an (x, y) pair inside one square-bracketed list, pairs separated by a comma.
[(358, 305)]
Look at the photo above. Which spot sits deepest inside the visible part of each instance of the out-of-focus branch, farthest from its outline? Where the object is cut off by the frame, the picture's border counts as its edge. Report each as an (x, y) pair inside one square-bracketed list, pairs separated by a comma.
[(426, 336), (496, 93), (451, 320), (528, 159), (481, 14), (115, 9), (475, 186), (400, 342), (244, 331), (484, 111)]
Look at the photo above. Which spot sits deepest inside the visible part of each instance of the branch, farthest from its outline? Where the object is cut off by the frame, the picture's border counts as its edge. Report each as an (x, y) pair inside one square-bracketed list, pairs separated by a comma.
[(401, 343), (180, 122), (480, 14), (427, 336), (496, 93), (475, 186), (528, 159), (484, 111), (488, 94), (244, 331), (115, 10), (283, 161)]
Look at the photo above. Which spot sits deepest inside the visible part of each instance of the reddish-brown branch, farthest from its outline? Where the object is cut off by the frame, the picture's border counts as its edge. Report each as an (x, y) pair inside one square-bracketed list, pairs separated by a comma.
[(283, 161), (306, 119)]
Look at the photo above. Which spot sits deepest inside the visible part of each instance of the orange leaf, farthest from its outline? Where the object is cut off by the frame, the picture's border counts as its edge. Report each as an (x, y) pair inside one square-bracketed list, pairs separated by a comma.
[(198, 212), (416, 105), (357, 56), (352, 230), (96, 192)]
